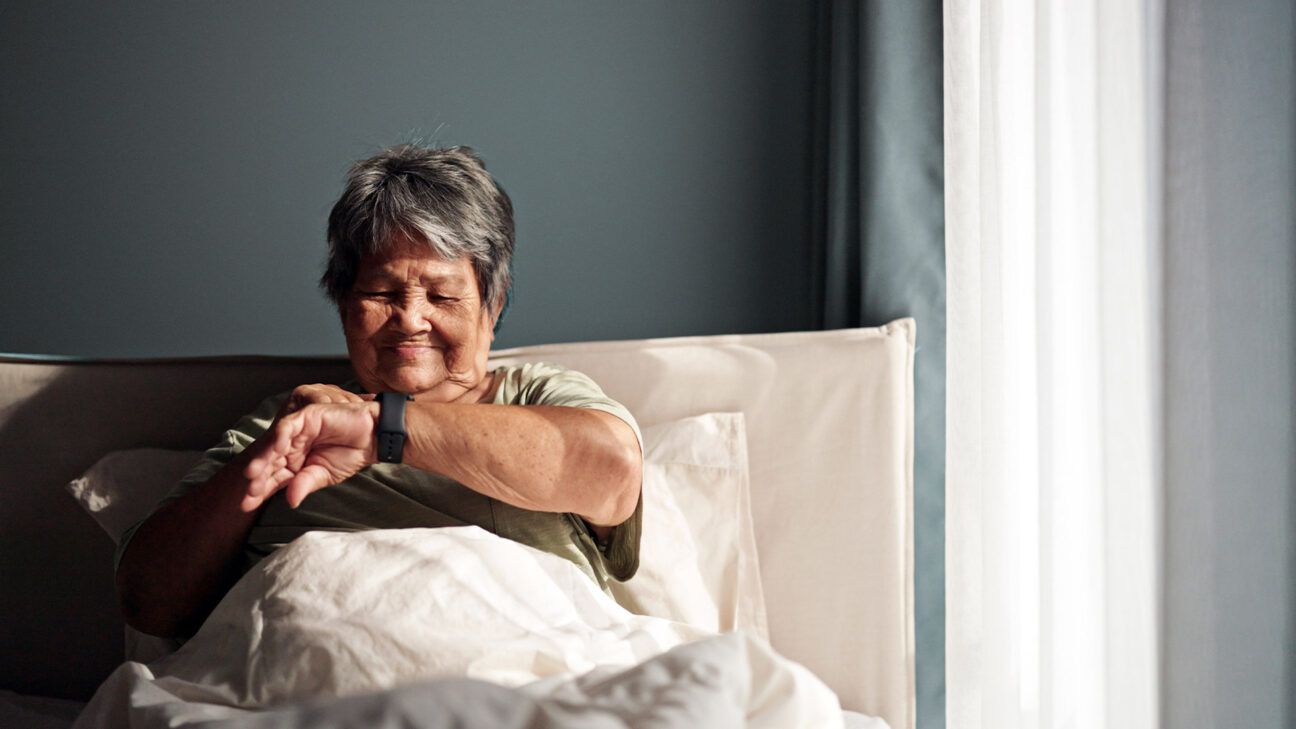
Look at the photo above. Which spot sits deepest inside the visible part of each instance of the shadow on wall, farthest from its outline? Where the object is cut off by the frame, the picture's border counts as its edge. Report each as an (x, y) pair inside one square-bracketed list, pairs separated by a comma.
[(59, 620)]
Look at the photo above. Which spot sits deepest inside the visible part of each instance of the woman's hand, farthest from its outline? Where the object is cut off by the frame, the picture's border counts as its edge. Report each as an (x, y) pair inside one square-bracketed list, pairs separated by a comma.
[(304, 395), (307, 449)]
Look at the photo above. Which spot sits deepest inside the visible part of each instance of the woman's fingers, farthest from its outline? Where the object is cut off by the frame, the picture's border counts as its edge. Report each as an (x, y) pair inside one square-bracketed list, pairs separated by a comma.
[(264, 488), (269, 469), (265, 476), (304, 395), (274, 447)]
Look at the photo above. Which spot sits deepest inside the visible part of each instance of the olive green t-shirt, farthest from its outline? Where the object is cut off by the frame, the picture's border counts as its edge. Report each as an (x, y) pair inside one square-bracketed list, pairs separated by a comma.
[(396, 496)]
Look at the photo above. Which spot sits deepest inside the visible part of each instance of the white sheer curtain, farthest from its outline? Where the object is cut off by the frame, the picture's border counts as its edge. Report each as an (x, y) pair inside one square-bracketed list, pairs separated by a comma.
[(1053, 483)]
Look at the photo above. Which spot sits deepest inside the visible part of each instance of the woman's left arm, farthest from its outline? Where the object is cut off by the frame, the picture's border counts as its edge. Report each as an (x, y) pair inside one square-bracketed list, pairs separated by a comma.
[(537, 457)]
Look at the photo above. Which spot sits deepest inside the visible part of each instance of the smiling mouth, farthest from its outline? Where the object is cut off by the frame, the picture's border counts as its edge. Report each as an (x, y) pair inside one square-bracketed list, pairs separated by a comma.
[(411, 351)]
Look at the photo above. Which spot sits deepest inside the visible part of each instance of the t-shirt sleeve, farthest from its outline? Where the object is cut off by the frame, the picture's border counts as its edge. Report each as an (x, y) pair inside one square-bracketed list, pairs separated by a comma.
[(247, 429), (547, 384)]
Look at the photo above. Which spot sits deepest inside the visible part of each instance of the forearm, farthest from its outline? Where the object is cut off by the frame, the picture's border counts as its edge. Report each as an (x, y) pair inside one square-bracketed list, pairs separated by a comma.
[(184, 558), (559, 459)]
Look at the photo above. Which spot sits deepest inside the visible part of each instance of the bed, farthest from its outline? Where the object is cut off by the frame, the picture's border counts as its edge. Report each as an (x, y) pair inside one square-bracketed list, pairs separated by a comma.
[(826, 420)]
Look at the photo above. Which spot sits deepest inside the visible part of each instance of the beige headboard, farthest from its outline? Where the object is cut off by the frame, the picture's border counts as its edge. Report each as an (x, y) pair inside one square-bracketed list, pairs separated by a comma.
[(830, 428)]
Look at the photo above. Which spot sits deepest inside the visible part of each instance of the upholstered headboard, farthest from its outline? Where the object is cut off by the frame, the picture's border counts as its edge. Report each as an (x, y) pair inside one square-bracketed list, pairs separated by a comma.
[(830, 431)]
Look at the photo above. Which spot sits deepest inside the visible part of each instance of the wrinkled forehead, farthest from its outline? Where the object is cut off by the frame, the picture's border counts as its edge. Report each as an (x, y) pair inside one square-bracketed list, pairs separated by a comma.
[(415, 263)]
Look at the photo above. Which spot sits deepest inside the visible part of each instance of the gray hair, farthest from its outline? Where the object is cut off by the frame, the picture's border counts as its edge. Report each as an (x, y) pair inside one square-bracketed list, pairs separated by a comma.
[(442, 198)]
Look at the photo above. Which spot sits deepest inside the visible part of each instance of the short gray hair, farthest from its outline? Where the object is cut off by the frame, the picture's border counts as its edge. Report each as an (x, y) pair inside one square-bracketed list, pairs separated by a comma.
[(441, 197)]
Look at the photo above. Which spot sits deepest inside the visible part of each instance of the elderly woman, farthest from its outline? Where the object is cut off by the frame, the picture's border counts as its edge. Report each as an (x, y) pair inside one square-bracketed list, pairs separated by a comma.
[(425, 435)]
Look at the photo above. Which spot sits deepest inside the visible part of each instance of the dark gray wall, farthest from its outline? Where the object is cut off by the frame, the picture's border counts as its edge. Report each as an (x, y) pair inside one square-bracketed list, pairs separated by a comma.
[(168, 167), (1230, 613)]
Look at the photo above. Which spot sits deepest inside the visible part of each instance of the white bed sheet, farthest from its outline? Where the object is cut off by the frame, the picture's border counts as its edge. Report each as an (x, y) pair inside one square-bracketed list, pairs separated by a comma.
[(436, 628), (18, 711)]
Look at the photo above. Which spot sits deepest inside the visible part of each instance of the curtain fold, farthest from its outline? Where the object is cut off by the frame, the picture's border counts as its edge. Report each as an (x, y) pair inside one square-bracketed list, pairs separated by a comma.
[(1053, 493), (878, 250)]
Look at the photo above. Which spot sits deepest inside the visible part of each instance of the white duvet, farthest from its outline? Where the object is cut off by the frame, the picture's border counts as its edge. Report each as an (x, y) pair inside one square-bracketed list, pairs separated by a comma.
[(439, 628)]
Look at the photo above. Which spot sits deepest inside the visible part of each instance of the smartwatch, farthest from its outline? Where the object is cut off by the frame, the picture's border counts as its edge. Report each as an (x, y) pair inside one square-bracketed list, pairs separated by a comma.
[(391, 426)]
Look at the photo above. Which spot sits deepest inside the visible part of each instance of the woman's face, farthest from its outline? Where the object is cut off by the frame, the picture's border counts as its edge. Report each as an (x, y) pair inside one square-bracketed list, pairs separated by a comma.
[(415, 323)]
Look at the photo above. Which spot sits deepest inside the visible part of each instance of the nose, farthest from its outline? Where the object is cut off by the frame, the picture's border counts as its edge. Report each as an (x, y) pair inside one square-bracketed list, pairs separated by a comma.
[(410, 316)]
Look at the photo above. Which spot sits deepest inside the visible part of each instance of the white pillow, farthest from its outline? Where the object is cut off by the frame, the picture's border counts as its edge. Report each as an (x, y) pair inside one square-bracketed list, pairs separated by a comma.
[(697, 554), (120, 489), (697, 563), (124, 486)]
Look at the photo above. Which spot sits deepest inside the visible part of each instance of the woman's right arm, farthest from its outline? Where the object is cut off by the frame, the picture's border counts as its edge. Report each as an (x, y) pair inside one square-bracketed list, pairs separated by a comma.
[(186, 556)]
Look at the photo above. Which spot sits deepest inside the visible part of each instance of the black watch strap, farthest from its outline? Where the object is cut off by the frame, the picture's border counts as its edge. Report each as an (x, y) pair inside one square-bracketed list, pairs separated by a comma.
[(391, 426)]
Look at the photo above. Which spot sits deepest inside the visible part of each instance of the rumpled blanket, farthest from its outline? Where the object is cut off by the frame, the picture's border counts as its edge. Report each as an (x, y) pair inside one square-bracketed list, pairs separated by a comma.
[(440, 628)]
